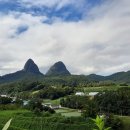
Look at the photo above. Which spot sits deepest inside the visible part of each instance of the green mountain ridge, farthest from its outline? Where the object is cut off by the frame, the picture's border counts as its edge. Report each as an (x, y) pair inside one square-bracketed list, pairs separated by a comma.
[(30, 70), (58, 73)]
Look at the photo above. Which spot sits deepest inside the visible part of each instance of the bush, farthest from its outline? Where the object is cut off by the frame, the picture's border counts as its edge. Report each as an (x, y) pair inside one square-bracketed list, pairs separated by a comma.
[(37, 111), (5, 100), (114, 122), (36, 107), (90, 110), (9, 107)]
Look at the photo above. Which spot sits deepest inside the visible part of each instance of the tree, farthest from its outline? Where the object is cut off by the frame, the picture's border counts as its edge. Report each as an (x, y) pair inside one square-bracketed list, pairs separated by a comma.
[(37, 111), (35, 103), (90, 110), (5, 100), (114, 122)]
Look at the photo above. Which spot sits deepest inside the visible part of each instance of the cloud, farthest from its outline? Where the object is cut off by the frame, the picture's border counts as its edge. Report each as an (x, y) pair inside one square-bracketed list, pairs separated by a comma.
[(69, 10), (53, 3), (98, 43)]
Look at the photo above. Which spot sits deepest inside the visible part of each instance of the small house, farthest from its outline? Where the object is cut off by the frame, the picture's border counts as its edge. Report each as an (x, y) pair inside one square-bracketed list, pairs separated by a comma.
[(92, 94), (55, 106), (25, 102), (80, 94), (3, 95)]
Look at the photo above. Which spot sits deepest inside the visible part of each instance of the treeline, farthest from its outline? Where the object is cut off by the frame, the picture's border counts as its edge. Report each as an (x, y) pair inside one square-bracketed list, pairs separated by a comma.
[(51, 92), (117, 102), (100, 84), (35, 105), (7, 103), (75, 102), (59, 81), (54, 93)]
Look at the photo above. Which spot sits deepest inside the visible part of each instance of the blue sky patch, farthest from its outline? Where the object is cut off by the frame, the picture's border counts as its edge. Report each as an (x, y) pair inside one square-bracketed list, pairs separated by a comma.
[(66, 13), (21, 29)]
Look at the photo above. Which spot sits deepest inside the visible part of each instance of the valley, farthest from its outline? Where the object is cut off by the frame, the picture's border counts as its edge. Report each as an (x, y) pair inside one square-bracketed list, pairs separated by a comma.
[(60, 100)]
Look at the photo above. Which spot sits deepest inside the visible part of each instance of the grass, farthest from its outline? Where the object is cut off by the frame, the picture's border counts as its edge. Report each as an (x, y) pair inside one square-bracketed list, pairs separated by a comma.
[(101, 89), (72, 114), (10, 113), (55, 102), (68, 112), (126, 122), (24, 120)]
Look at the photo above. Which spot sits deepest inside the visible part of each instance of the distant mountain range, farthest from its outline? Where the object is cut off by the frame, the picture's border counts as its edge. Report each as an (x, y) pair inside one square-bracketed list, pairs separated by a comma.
[(31, 70)]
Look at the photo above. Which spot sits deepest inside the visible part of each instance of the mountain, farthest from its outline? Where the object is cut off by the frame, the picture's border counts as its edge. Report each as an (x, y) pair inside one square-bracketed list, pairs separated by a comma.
[(94, 77), (59, 73), (29, 71), (58, 69), (120, 77), (31, 67)]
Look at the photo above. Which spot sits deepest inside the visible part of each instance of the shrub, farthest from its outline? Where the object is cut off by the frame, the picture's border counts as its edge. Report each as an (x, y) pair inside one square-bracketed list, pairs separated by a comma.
[(114, 122), (100, 124)]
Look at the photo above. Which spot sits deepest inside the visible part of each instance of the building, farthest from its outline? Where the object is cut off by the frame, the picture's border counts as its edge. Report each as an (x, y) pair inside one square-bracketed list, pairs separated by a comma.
[(92, 94), (55, 106), (80, 94), (25, 102), (52, 106), (3, 95)]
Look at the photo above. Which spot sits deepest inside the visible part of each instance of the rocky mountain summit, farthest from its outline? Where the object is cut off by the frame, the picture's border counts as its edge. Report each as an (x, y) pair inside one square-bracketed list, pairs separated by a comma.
[(31, 67), (58, 69)]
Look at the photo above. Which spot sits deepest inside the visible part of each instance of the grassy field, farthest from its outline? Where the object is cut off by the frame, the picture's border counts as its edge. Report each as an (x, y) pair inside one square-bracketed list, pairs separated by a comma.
[(25, 120), (68, 112), (56, 102), (126, 122), (101, 89)]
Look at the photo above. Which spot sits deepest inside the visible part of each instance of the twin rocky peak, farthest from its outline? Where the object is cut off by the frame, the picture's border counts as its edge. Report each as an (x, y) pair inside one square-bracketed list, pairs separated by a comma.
[(57, 69)]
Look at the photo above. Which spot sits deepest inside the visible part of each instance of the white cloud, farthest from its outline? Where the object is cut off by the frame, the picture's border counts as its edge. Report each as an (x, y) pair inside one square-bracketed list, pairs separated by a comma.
[(99, 44), (53, 3)]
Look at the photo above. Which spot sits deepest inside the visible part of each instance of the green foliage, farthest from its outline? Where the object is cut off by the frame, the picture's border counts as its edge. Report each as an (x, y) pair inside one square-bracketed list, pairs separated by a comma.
[(117, 102), (35, 105), (19, 102), (26, 121), (37, 111), (5, 100), (125, 122), (99, 122), (7, 125), (75, 102), (54, 93), (91, 109), (114, 122), (9, 107)]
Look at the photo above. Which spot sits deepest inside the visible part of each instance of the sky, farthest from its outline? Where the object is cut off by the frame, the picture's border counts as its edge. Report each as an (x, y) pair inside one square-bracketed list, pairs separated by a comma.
[(89, 36)]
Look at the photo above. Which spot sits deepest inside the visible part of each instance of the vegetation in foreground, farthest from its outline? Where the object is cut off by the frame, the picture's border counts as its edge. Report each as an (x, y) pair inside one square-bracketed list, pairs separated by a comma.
[(76, 111), (26, 120)]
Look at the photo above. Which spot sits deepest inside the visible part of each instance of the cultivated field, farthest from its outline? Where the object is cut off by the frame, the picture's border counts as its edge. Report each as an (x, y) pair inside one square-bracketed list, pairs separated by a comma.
[(68, 112), (25, 120)]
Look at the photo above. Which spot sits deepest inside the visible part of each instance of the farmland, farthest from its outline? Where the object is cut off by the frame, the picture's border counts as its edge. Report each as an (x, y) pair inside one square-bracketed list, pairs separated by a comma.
[(101, 88), (68, 116), (25, 120), (68, 112)]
